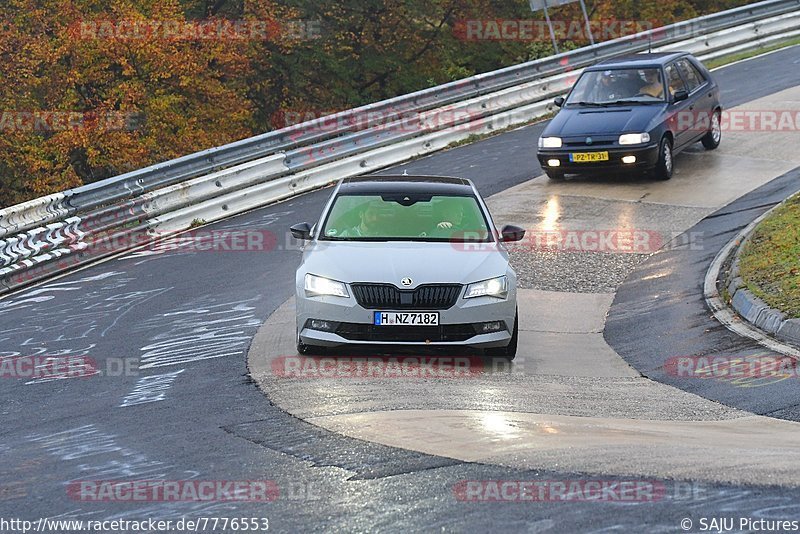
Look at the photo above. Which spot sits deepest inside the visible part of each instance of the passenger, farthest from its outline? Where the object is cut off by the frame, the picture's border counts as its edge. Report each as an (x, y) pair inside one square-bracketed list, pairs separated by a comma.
[(450, 220), (452, 216), (654, 87), (675, 81)]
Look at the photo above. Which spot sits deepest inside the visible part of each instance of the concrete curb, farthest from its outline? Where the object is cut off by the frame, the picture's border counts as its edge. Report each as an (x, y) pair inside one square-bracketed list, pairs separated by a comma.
[(770, 321)]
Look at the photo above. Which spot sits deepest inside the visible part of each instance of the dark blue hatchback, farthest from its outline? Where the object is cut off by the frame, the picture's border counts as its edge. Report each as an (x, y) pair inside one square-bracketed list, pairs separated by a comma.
[(632, 113)]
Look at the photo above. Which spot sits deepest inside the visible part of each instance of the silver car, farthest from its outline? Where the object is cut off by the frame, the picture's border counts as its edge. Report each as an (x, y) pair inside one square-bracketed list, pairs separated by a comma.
[(406, 261)]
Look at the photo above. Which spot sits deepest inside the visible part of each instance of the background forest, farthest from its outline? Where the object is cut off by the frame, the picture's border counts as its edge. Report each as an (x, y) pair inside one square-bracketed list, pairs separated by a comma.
[(109, 103)]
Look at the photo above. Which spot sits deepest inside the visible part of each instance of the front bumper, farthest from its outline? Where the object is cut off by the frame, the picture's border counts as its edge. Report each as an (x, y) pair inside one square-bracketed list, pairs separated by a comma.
[(646, 158), (331, 339), (354, 324)]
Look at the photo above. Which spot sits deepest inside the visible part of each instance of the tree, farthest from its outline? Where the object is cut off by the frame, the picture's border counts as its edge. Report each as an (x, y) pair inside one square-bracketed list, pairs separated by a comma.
[(130, 102)]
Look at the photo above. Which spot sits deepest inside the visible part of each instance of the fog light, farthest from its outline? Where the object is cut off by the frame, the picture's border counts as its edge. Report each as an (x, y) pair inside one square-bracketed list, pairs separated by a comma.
[(492, 326), (629, 159), (324, 326), (554, 162)]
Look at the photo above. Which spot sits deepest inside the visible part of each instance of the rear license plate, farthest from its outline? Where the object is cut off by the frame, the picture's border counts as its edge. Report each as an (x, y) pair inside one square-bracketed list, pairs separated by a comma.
[(382, 318), (586, 157)]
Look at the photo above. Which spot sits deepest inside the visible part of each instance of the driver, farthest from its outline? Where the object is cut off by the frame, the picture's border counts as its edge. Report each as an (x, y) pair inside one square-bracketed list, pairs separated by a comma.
[(654, 87), (607, 89), (371, 217)]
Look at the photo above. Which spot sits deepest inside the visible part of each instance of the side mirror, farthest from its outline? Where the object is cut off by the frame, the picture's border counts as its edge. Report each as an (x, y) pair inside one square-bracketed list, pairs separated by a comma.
[(511, 233), (680, 95), (559, 101), (301, 231)]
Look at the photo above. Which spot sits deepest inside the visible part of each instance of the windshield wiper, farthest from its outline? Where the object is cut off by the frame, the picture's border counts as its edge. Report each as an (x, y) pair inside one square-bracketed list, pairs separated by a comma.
[(624, 102), (595, 104)]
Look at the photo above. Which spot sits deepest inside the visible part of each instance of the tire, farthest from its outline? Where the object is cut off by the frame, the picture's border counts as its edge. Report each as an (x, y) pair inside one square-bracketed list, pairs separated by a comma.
[(714, 136), (664, 167), (509, 352), (556, 176)]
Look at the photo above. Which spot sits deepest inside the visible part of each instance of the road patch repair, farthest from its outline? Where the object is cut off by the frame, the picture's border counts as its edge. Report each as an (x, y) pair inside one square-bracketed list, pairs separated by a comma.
[(569, 401)]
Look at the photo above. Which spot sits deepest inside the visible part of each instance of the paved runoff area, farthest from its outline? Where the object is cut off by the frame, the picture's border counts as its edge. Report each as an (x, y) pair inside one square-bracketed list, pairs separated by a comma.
[(568, 401)]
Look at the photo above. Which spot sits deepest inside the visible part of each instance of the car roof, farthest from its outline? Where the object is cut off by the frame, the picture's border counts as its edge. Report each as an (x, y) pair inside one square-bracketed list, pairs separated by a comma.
[(655, 59), (381, 184)]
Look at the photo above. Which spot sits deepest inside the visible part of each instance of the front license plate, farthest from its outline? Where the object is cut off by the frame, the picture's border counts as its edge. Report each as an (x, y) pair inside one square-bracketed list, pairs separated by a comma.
[(382, 318), (586, 157)]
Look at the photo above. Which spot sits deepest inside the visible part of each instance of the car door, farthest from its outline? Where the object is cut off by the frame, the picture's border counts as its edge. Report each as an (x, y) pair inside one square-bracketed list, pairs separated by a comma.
[(680, 117), (700, 94)]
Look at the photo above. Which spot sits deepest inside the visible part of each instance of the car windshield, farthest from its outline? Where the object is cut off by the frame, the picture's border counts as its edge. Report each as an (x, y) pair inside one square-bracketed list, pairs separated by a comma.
[(618, 86), (405, 217)]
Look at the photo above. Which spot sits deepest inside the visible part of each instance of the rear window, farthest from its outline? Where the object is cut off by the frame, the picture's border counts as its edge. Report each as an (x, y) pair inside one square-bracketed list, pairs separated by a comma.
[(405, 217)]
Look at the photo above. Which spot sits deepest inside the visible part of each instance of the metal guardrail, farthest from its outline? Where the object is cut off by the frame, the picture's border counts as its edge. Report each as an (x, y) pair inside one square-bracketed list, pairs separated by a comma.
[(51, 234), (36, 212)]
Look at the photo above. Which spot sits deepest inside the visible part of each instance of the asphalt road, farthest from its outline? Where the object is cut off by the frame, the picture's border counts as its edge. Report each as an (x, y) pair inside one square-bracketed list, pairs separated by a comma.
[(654, 318), (191, 412)]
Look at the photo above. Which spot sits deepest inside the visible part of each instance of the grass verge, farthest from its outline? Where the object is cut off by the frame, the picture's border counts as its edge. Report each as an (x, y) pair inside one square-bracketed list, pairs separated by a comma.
[(747, 54), (770, 261)]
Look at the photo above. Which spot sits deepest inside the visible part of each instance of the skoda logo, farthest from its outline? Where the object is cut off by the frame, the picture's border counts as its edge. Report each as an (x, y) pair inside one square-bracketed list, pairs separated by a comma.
[(588, 140), (406, 281)]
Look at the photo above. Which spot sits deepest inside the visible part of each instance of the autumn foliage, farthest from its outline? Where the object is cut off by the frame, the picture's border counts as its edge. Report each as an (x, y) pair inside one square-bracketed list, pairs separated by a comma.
[(81, 100)]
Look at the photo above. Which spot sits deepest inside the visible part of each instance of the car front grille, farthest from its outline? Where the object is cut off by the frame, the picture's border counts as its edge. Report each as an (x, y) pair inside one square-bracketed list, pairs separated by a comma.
[(426, 297), (368, 332), (597, 141)]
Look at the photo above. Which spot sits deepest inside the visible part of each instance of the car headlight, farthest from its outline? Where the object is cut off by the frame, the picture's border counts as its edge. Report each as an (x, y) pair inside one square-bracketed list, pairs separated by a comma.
[(494, 287), (318, 285), (549, 142), (634, 139)]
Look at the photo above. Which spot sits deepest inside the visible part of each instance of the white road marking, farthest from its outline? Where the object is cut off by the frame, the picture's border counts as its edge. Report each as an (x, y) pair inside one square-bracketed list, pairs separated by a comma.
[(150, 389)]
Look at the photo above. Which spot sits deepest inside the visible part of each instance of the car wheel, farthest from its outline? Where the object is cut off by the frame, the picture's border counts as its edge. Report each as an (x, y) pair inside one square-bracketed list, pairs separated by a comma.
[(509, 352), (663, 170), (714, 136), (554, 175)]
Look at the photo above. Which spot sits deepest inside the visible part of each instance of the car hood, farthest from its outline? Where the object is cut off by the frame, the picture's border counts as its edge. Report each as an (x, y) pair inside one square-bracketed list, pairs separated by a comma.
[(610, 120), (424, 263)]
